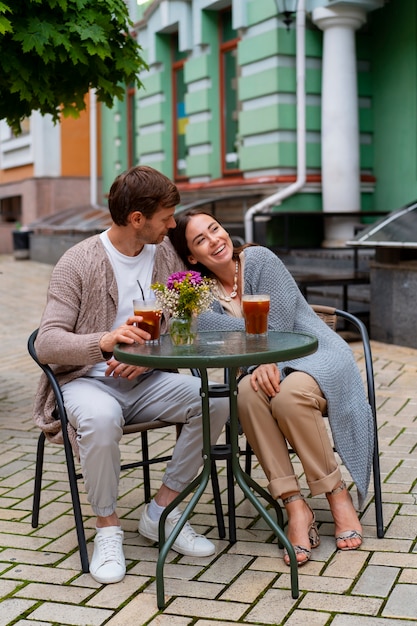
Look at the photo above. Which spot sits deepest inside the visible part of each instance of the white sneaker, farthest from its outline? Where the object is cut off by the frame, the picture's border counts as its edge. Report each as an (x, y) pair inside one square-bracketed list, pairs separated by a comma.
[(188, 541), (108, 562)]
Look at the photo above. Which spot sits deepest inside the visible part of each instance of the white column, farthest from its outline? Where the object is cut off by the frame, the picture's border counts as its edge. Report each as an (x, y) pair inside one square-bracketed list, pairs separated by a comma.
[(339, 119)]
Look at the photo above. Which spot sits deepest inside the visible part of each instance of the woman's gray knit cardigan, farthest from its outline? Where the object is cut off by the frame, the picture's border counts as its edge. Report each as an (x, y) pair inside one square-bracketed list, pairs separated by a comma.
[(332, 366)]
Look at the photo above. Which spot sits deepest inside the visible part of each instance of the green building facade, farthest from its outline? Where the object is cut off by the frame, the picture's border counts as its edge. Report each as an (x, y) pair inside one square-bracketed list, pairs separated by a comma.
[(218, 111)]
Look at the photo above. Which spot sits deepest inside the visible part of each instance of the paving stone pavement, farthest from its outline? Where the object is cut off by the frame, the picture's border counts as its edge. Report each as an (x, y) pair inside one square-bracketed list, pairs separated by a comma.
[(246, 583)]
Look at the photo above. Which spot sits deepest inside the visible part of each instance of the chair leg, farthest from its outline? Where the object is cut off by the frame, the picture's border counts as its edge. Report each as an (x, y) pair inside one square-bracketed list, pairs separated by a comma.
[(217, 500), (224, 452), (378, 492), (75, 496), (146, 471), (231, 501), (38, 480), (248, 458)]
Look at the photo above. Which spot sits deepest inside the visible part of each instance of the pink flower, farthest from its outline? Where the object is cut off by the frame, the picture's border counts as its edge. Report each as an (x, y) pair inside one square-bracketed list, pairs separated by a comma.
[(193, 277)]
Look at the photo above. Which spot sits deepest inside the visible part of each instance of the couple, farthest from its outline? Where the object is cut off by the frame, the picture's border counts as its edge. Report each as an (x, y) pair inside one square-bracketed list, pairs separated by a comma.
[(88, 311)]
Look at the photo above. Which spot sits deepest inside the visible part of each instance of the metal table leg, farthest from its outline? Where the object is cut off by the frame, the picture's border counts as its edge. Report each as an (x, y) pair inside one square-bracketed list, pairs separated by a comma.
[(200, 482), (245, 482)]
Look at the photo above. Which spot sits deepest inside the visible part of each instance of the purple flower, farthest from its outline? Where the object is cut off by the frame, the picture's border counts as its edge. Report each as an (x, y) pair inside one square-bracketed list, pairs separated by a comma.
[(193, 277), (185, 294)]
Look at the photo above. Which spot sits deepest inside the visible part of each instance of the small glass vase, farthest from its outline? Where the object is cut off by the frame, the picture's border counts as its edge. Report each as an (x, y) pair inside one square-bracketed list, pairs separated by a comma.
[(183, 330)]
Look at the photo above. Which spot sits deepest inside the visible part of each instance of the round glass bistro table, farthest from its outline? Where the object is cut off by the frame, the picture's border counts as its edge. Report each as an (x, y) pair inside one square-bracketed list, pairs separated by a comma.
[(230, 350)]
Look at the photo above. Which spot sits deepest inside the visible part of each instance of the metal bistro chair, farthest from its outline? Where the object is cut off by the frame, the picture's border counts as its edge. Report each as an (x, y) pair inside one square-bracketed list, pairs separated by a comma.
[(330, 316), (73, 476)]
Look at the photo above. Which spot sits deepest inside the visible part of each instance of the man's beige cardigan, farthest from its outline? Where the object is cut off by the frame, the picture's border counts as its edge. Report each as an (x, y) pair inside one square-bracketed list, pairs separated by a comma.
[(81, 307)]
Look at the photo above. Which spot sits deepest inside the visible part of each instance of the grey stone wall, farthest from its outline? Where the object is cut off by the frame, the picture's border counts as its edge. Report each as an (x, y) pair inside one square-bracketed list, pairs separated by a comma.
[(47, 248), (393, 304)]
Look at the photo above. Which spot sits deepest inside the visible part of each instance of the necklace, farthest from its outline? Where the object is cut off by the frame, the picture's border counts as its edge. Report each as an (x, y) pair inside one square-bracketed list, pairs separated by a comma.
[(233, 293)]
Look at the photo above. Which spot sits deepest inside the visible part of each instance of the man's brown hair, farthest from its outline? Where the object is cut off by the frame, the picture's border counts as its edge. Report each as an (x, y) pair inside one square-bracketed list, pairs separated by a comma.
[(141, 188)]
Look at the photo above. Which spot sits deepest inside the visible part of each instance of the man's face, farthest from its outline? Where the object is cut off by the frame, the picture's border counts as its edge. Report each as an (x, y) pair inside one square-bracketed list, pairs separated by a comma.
[(156, 227)]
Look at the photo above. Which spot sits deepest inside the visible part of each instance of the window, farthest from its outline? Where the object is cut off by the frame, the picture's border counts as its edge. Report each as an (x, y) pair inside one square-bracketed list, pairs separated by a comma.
[(11, 209), (180, 118), (25, 126), (131, 126), (228, 93), (16, 150)]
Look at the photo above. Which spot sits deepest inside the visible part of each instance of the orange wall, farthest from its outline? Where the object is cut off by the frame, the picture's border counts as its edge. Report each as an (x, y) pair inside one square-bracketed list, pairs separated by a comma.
[(75, 152), (16, 173), (75, 146)]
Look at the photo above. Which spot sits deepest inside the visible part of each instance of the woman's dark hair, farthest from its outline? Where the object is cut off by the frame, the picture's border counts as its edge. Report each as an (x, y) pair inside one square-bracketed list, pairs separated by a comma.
[(179, 239), (142, 189)]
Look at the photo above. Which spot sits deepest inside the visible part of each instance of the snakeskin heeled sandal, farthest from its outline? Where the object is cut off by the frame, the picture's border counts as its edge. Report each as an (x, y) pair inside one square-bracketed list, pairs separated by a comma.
[(347, 534), (313, 534)]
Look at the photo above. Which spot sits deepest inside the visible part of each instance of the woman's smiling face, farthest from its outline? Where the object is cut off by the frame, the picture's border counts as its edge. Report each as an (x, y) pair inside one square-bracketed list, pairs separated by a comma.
[(209, 243)]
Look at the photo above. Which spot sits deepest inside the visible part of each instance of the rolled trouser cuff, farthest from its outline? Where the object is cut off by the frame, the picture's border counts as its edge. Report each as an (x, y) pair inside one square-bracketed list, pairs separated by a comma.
[(287, 484)]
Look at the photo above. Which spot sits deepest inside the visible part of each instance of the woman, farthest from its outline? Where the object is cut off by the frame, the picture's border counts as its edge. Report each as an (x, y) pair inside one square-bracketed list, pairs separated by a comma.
[(286, 401)]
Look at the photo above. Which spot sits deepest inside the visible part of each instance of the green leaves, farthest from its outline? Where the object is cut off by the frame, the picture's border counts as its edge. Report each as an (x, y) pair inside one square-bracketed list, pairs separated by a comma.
[(53, 51), (5, 24)]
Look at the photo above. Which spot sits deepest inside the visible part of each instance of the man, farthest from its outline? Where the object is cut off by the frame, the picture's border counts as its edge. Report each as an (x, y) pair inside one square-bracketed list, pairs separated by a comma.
[(89, 310)]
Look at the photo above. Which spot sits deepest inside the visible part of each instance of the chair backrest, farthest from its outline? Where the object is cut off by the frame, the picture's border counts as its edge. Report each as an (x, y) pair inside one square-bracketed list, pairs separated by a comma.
[(33, 354), (327, 314), (48, 372), (330, 316)]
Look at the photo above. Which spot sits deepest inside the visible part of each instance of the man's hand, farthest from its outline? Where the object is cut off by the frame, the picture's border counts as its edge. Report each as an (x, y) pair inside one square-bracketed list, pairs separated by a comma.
[(267, 378), (126, 333), (122, 370)]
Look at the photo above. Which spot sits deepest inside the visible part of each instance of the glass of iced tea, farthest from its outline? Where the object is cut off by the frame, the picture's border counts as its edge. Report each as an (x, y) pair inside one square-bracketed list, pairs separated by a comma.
[(151, 312), (255, 308)]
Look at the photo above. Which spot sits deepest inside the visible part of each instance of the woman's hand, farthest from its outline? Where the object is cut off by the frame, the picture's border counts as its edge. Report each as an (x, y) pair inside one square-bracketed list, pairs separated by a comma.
[(267, 378)]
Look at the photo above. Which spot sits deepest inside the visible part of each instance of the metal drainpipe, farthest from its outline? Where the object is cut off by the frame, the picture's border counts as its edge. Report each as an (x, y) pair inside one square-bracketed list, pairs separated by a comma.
[(301, 129), (93, 148)]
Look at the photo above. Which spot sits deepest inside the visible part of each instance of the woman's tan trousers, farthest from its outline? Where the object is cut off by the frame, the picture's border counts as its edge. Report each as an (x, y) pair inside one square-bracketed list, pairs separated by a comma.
[(294, 415)]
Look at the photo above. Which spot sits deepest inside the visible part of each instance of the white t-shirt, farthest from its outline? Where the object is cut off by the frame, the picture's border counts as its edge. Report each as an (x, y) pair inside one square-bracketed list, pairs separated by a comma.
[(130, 272)]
